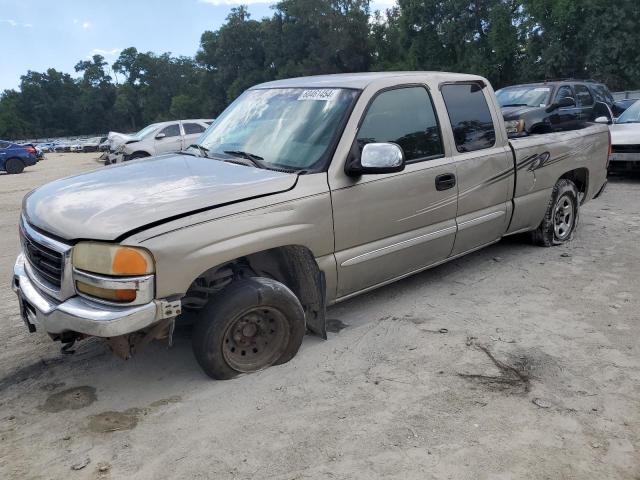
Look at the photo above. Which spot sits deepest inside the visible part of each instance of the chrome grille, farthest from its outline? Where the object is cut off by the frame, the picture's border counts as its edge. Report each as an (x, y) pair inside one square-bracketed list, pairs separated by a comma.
[(45, 262)]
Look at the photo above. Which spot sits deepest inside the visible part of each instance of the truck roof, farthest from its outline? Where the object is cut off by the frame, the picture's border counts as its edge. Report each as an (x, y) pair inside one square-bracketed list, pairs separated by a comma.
[(362, 80)]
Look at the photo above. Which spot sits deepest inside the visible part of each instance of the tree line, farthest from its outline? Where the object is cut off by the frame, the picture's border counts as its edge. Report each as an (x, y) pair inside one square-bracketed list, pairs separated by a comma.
[(507, 41)]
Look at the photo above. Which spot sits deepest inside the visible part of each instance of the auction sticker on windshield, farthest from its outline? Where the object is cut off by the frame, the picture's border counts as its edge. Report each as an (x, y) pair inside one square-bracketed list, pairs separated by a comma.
[(324, 94)]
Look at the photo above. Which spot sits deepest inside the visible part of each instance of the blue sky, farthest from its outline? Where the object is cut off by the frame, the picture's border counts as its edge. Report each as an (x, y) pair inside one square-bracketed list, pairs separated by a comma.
[(38, 34)]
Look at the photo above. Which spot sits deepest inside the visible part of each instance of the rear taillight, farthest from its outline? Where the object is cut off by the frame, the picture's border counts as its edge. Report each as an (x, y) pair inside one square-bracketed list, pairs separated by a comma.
[(31, 150)]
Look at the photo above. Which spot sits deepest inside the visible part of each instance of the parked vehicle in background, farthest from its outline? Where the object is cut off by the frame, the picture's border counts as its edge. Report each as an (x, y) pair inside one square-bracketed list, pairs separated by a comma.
[(334, 186), (622, 105), (625, 140), (158, 138), (14, 158), (38, 151), (87, 145), (46, 147), (553, 106)]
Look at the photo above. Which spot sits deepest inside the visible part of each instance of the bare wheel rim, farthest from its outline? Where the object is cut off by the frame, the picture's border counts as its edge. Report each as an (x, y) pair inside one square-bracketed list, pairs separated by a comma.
[(563, 216), (255, 339)]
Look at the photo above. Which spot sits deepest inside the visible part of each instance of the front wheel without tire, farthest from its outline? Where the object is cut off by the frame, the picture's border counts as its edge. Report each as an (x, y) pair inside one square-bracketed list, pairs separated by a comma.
[(14, 166), (252, 324), (561, 218)]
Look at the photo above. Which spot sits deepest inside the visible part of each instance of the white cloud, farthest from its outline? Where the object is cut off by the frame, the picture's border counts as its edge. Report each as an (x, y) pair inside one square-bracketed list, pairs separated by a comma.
[(14, 24), (105, 53), (87, 25)]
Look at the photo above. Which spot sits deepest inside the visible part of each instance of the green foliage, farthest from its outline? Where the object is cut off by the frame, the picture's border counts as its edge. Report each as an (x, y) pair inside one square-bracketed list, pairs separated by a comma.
[(508, 41)]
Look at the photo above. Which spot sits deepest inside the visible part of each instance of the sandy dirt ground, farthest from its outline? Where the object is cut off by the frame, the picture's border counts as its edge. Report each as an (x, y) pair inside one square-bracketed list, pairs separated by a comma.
[(515, 362)]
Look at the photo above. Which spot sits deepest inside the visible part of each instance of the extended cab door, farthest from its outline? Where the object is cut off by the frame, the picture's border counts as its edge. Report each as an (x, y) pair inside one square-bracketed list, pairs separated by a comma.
[(390, 225), (169, 139), (484, 165)]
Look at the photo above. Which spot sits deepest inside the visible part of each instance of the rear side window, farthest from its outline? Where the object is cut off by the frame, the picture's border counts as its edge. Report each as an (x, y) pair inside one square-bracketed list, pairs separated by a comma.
[(404, 116), (4, 144), (191, 128), (470, 117), (602, 93), (583, 96), (171, 130)]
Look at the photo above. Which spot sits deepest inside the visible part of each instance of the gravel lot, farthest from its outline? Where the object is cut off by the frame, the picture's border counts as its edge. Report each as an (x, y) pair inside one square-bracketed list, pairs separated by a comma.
[(514, 362)]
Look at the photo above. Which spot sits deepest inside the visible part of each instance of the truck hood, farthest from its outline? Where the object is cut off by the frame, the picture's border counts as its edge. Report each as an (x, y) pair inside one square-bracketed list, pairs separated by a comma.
[(625, 133), (107, 203), (515, 113)]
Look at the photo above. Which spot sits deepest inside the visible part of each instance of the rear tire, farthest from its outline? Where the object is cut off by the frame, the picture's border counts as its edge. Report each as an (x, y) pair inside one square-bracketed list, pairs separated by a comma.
[(252, 324), (561, 218), (13, 166)]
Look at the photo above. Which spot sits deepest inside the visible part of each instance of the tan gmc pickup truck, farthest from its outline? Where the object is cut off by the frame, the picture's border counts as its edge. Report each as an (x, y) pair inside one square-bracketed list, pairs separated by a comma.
[(303, 193)]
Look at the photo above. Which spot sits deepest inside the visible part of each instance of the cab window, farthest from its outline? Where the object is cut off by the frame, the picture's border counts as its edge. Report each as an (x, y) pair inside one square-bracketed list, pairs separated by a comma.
[(404, 116), (470, 116), (564, 91)]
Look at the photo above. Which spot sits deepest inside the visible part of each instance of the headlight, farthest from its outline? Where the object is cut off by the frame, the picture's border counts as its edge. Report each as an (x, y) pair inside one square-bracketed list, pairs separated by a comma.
[(514, 126), (115, 273)]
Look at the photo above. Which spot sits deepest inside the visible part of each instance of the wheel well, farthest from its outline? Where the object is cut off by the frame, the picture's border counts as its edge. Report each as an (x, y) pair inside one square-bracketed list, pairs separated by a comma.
[(292, 265), (580, 177), (140, 153)]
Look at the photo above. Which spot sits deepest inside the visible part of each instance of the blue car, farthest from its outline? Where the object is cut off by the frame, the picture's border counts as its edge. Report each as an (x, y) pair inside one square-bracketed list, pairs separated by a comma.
[(13, 157)]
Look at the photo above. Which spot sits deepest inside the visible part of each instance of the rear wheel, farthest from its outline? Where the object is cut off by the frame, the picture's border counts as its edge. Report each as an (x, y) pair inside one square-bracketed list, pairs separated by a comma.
[(252, 324), (561, 218), (14, 166)]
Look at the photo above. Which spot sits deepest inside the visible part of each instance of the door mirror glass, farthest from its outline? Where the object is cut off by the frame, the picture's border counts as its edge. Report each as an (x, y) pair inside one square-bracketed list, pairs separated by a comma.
[(160, 136), (380, 158), (605, 120)]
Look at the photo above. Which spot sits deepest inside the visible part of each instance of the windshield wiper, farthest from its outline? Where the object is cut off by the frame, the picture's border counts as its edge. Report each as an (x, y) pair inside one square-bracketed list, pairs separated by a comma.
[(516, 105), (203, 150), (255, 159)]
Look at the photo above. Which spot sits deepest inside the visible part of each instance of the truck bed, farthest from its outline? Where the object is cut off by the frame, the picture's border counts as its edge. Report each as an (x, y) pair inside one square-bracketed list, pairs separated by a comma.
[(539, 160)]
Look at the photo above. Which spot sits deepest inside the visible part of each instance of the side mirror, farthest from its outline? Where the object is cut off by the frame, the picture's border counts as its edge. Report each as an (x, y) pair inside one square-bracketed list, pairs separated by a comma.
[(603, 119), (378, 158), (160, 136)]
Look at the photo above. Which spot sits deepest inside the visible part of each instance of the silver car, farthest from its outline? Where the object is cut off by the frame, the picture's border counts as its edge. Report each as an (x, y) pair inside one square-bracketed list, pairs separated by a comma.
[(159, 138)]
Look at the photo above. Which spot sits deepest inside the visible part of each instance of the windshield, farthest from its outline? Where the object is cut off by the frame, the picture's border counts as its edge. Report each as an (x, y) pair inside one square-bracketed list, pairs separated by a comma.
[(631, 114), (146, 130), (289, 128), (524, 96)]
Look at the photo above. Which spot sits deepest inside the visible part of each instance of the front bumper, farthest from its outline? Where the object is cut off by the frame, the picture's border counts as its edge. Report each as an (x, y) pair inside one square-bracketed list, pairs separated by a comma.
[(77, 314), (114, 158)]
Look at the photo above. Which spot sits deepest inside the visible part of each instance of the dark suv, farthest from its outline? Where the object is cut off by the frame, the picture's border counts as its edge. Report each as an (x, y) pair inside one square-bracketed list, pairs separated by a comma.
[(553, 106)]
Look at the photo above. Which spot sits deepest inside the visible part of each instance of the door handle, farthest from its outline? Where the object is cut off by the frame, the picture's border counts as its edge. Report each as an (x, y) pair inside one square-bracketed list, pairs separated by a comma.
[(445, 181)]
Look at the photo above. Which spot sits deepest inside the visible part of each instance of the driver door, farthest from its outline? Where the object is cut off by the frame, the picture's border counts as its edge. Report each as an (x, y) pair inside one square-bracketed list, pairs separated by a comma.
[(390, 225), (171, 141), (566, 118)]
